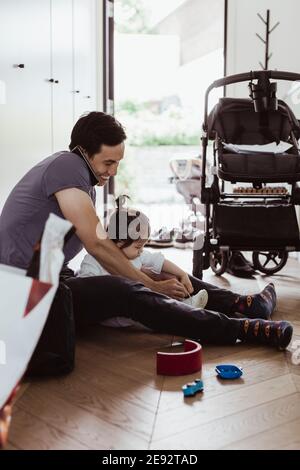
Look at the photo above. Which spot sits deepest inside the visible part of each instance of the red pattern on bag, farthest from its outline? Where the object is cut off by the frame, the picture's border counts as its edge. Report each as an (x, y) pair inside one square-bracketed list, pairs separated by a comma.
[(37, 292)]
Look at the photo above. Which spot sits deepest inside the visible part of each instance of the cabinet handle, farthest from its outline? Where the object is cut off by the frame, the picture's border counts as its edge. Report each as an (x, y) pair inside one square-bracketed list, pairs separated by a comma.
[(56, 81), (88, 97), (76, 91), (51, 80), (19, 66)]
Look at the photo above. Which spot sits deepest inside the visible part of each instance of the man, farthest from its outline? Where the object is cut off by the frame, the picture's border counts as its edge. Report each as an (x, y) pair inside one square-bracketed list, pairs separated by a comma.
[(64, 184)]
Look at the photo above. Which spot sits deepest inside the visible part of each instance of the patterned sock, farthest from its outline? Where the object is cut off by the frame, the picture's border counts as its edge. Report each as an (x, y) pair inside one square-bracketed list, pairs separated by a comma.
[(269, 333), (259, 305)]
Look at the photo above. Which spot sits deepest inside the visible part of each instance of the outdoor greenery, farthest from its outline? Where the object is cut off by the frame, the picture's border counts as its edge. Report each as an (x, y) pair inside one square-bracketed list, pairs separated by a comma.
[(147, 125), (131, 16)]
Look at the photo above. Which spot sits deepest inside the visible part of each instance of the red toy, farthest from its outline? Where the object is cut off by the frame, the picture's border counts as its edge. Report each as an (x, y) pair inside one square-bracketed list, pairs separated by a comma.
[(181, 363)]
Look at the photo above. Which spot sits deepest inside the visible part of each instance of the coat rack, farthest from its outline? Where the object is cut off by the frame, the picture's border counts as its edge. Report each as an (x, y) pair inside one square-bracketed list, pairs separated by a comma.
[(266, 41)]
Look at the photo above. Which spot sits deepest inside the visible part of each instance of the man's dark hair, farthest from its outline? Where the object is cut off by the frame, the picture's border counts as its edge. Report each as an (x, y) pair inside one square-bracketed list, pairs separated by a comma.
[(95, 129)]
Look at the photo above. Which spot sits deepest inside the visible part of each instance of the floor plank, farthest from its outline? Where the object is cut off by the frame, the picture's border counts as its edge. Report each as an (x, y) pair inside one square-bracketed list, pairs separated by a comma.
[(251, 425), (75, 422), (28, 432), (203, 408), (282, 437)]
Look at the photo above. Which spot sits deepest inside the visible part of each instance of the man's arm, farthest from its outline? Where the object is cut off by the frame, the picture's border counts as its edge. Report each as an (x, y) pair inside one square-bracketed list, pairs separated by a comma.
[(77, 207)]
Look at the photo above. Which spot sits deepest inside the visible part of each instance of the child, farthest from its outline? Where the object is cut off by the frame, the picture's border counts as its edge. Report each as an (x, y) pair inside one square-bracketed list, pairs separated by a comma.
[(130, 230)]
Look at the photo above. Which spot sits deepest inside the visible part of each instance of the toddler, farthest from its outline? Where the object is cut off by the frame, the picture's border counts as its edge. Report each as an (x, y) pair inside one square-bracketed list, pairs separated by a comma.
[(130, 230)]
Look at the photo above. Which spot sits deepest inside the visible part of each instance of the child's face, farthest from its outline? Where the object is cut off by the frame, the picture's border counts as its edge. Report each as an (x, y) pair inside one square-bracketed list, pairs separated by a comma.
[(134, 250)]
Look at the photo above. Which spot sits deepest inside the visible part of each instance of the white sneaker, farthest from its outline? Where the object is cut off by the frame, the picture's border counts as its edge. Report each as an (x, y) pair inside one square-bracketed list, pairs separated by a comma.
[(199, 300)]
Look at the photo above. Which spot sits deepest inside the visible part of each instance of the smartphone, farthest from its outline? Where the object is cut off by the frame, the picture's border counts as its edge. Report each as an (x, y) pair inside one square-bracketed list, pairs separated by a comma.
[(79, 152)]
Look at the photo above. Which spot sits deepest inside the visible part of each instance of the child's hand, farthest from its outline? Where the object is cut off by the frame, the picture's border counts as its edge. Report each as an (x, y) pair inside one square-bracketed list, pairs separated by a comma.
[(172, 288), (185, 280)]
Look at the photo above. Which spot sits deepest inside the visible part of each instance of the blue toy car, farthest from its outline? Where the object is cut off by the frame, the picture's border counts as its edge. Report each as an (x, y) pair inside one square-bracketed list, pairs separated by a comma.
[(229, 371), (190, 389)]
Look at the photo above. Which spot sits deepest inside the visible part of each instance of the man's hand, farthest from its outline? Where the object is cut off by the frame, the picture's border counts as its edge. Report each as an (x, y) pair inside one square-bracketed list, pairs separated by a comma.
[(172, 288), (185, 281)]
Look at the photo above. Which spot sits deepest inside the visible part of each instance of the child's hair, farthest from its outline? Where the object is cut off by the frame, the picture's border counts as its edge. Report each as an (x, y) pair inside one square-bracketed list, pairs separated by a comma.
[(127, 225)]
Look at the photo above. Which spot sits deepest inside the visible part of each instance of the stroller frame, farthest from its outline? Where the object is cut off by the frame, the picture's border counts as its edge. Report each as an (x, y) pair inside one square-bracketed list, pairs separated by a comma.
[(214, 245)]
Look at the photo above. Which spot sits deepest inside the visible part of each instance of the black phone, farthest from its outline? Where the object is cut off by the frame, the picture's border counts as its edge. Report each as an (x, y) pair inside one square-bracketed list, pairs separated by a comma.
[(80, 153)]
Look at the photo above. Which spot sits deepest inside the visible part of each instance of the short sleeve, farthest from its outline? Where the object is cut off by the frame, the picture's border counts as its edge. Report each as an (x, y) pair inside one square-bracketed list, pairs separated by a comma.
[(90, 267), (68, 170), (152, 261)]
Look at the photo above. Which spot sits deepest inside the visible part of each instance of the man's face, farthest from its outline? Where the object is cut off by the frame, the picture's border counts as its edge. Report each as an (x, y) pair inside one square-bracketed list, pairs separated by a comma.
[(105, 163)]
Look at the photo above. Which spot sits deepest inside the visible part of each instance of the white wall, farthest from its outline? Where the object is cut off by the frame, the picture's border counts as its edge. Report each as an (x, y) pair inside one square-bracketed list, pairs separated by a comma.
[(245, 50), (145, 65)]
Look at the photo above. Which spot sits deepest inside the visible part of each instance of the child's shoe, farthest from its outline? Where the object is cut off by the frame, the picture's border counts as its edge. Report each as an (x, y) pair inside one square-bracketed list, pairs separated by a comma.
[(198, 300)]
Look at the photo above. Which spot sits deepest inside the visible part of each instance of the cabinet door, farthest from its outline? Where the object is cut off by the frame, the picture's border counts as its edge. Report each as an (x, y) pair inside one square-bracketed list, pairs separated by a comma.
[(84, 25), (62, 73), (25, 96)]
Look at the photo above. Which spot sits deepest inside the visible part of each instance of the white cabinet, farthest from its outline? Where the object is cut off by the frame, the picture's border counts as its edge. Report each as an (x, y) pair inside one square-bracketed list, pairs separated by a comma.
[(48, 78), (25, 106), (73, 65), (84, 28), (62, 73)]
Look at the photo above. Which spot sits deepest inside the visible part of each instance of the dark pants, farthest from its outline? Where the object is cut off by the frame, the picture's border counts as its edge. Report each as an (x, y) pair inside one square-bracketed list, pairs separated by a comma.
[(101, 297)]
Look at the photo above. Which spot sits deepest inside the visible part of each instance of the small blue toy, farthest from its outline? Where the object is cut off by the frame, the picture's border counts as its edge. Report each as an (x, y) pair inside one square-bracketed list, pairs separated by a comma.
[(190, 389), (229, 371)]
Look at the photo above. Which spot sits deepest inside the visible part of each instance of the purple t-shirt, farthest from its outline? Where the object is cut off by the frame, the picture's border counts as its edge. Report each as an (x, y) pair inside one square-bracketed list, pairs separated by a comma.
[(30, 202)]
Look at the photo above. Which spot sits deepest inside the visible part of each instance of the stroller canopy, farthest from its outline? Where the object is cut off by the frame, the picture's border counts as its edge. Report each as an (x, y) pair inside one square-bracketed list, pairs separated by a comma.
[(235, 121)]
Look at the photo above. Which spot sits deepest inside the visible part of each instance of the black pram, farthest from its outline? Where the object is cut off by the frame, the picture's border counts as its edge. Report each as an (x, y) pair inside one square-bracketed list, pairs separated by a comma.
[(258, 216)]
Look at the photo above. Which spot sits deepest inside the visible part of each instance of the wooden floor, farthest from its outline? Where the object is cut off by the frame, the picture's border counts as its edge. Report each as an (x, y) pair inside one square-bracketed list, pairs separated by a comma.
[(115, 400)]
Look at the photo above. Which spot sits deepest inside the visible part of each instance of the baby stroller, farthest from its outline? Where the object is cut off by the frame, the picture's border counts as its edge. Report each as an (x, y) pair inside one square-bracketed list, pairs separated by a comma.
[(257, 216)]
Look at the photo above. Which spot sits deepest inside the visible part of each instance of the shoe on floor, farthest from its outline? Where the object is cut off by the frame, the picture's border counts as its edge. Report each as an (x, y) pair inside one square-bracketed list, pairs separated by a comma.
[(185, 239), (162, 238), (239, 266)]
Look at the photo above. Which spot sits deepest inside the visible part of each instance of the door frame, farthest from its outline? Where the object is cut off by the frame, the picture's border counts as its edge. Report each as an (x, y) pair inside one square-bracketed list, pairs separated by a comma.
[(225, 40), (108, 83)]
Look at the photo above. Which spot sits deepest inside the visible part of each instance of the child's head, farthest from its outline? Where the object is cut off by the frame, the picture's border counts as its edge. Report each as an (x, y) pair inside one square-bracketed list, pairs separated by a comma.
[(129, 229)]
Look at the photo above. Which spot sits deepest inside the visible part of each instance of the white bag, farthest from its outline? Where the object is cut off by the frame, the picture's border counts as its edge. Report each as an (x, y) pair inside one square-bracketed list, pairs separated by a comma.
[(24, 306)]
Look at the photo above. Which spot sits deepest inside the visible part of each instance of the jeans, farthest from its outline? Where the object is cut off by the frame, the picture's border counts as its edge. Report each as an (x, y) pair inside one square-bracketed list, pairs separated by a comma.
[(98, 298)]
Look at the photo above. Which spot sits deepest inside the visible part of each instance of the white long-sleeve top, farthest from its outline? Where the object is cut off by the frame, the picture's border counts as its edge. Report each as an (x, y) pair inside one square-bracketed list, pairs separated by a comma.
[(91, 267), (153, 261)]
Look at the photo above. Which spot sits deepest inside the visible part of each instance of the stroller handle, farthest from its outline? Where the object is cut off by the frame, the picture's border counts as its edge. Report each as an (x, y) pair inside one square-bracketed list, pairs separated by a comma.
[(242, 77)]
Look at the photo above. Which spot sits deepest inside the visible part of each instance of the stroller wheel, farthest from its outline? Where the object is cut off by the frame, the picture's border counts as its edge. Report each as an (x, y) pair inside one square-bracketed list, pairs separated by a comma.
[(218, 262), (269, 262)]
